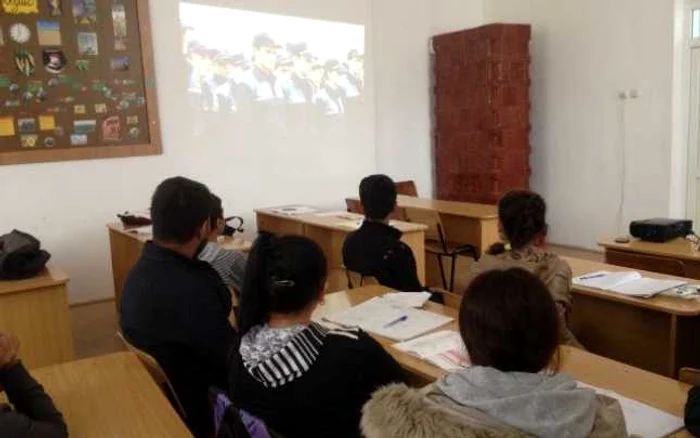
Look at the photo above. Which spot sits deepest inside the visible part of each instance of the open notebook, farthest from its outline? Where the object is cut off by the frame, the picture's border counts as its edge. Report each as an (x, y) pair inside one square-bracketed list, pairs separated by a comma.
[(629, 283), (390, 319), (443, 349), (641, 419)]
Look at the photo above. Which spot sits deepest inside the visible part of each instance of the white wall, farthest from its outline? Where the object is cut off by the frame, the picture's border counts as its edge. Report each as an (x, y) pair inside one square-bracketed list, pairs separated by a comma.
[(402, 80), (68, 204), (584, 52)]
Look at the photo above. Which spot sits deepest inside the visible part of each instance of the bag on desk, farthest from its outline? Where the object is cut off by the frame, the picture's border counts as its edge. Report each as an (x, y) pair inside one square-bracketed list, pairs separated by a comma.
[(21, 256)]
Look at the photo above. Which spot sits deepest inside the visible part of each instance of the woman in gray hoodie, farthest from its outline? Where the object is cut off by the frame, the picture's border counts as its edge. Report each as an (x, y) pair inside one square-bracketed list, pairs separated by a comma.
[(509, 324)]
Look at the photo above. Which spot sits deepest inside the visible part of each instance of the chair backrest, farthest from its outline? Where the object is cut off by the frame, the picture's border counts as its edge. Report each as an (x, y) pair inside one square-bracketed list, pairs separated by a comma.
[(690, 376), (407, 188), (355, 279), (155, 370), (354, 206), (429, 218), (449, 299)]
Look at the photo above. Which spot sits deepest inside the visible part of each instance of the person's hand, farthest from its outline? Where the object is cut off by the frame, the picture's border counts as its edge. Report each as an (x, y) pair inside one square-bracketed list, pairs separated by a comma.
[(9, 350)]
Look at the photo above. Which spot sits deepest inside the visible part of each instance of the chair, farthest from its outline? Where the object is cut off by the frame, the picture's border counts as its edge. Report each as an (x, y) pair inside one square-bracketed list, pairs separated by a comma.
[(355, 279), (407, 188), (156, 372), (449, 299), (690, 376), (437, 243)]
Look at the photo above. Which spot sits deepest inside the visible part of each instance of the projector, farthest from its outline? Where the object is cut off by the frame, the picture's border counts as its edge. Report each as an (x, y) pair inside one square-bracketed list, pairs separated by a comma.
[(661, 230)]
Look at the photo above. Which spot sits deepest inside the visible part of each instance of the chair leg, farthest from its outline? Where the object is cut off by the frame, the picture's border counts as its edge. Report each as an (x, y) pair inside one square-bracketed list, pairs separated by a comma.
[(452, 273), (442, 271)]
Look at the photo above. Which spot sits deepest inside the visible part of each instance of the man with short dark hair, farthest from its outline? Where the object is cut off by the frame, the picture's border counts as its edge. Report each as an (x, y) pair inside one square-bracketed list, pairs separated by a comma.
[(174, 306), (376, 249)]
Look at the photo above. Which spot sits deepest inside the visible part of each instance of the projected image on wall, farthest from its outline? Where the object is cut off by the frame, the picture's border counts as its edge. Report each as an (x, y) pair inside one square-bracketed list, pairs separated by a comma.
[(251, 64)]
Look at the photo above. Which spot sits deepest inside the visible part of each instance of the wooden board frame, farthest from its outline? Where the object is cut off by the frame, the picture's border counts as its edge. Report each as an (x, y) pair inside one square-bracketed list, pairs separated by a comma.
[(154, 147)]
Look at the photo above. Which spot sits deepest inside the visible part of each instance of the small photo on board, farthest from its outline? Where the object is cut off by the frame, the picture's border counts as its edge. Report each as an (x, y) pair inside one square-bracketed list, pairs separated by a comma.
[(84, 11), (2, 37), (84, 126), (26, 125), (87, 44), (78, 139), (29, 141), (55, 7), (120, 63), (49, 33)]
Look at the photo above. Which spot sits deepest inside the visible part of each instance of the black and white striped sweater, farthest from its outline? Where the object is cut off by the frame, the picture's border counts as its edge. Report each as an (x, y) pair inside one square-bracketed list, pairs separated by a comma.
[(315, 384)]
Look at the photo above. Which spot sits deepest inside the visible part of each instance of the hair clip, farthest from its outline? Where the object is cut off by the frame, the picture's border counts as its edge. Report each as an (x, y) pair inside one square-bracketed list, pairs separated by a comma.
[(285, 283)]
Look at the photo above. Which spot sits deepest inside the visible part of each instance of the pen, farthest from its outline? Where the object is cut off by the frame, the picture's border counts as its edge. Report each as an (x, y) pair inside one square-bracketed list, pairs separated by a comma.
[(591, 277), (402, 318)]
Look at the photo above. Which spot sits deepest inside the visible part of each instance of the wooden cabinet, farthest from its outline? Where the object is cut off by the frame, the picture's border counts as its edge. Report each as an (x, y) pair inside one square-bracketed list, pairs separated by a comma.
[(482, 112)]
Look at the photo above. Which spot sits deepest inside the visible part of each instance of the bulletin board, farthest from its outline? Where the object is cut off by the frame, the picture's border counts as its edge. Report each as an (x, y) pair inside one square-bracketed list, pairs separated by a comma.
[(76, 81)]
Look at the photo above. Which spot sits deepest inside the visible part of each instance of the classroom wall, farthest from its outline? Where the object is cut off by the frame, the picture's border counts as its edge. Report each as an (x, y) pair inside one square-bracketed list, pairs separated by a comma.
[(68, 204), (585, 53), (402, 87)]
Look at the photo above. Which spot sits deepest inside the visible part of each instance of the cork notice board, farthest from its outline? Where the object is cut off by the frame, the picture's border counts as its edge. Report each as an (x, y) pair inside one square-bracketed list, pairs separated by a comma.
[(76, 80)]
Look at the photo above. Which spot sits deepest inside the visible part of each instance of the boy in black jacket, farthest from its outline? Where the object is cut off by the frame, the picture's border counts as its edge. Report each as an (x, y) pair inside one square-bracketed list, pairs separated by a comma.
[(35, 415), (376, 249)]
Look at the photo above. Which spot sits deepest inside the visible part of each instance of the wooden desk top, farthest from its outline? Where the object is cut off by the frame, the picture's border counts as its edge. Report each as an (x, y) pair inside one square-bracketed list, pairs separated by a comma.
[(234, 243), (338, 220), (672, 305), (52, 276), (110, 397), (652, 389), (465, 209), (678, 248)]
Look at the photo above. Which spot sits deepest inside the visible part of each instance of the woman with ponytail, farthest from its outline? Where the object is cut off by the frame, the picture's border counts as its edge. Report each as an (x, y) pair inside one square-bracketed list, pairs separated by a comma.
[(523, 227), (302, 379)]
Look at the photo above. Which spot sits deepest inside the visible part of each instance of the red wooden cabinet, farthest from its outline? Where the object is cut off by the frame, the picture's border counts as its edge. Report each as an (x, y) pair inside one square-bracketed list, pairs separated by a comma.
[(482, 112)]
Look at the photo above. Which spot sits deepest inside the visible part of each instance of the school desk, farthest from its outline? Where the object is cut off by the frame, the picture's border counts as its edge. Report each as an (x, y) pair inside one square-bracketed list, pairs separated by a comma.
[(676, 257), (657, 334), (463, 222), (110, 397), (329, 231), (657, 391), (126, 245), (36, 310)]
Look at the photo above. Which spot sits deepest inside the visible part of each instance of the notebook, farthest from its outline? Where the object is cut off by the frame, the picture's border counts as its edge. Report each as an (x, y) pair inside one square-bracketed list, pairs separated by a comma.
[(628, 283), (409, 299), (641, 419), (389, 319), (443, 349)]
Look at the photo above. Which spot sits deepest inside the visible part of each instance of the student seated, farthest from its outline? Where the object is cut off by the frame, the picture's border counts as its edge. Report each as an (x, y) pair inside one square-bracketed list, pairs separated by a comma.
[(376, 249), (509, 325), (174, 306), (35, 415), (692, 411), (522, 222), (303, 380), (228, 263)]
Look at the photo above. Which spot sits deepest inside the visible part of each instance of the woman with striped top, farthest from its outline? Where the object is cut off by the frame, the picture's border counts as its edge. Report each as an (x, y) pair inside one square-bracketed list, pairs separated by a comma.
[(302, 379)]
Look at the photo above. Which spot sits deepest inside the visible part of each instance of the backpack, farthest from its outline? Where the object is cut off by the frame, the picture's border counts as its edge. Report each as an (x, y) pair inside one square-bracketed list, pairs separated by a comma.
[(21, 256), (230, 422)]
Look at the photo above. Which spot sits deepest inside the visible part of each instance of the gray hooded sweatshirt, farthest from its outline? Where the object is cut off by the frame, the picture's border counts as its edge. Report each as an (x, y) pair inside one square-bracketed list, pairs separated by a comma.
[(547, 406)]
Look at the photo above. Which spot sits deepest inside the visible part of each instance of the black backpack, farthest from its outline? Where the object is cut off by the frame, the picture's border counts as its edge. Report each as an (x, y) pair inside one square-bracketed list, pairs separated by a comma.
[(21, 256)]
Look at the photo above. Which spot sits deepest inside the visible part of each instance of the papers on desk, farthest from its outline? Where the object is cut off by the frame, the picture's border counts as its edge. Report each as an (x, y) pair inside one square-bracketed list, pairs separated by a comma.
[(386, 318), (295, 210), (145, 230), (443, 349), (409, 299), (642, 420), (628, 283)]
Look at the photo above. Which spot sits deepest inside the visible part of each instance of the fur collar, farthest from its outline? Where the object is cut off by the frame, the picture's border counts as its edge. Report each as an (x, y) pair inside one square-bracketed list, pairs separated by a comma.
[(397, 411)]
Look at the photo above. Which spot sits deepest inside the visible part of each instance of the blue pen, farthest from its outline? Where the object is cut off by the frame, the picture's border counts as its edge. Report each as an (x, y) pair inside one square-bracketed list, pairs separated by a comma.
[(591, 277), (402, 318)]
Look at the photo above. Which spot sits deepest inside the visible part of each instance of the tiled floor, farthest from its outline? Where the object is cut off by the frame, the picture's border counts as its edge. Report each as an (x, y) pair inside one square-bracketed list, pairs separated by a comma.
[(95, 325)]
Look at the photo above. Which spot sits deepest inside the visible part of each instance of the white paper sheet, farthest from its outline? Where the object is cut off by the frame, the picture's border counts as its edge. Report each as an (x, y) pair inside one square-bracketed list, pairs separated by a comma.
[(295, 210), (628, 283), (379, 316), (606, 280), (408, 299), (642, 420), (444, 349)]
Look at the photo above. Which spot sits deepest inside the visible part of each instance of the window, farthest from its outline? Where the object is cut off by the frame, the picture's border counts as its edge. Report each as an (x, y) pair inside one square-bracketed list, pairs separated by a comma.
[(695, 27)]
